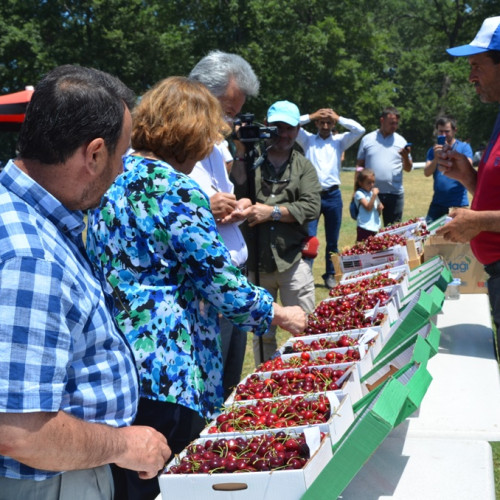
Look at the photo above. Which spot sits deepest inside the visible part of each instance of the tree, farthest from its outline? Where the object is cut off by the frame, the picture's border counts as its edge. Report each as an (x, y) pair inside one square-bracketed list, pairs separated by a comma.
[(354, 56)]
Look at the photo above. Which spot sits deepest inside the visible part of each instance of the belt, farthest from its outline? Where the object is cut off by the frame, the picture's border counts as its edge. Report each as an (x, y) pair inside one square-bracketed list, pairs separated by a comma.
[(330, 189), (493, 268)]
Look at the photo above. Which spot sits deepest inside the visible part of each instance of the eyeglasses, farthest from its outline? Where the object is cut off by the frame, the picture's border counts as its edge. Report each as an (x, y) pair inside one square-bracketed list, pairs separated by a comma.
[(273, 186)]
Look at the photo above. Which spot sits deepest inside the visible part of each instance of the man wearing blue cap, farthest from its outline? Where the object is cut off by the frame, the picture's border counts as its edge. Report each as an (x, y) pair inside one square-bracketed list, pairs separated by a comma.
[(481, 224), (287, 199)]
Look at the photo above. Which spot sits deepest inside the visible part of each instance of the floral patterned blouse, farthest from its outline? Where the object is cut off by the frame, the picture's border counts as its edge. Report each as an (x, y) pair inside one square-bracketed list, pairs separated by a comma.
[(156, 241)]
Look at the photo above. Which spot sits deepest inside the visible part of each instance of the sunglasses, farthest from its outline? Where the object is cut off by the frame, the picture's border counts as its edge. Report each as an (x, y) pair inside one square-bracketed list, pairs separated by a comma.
[(273, 186)]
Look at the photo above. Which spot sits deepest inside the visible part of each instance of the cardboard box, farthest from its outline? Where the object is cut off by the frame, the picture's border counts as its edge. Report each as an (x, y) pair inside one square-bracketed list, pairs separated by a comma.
[(389, 316), (437, 295), (271, 485), (460, 261), (372, 334), (432, 264), (426, 277), (348, 384), (371, 426), (412, 318), (416, 378), (336, 425), (394, 265), (399, 253), (390, 307), (418, 349), (408, 230), (400, 289)]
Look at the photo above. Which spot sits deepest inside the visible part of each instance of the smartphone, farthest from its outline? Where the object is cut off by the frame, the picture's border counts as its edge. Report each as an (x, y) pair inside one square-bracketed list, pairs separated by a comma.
[(408, 145), (441, 139)]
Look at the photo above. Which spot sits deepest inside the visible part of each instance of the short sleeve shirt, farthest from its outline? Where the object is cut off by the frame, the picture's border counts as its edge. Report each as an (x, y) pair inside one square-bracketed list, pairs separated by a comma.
[(381, 154), (59, 346), (450, 192)]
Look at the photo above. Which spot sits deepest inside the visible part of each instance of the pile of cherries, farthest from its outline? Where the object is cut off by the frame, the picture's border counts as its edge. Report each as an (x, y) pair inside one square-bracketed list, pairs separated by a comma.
[(264, 452), (402, 224), (358, 274), (347, 313), (306, 380), (320, 344), (305, 359), (420, 231), (374, 244), (273, 414), (379, 280)]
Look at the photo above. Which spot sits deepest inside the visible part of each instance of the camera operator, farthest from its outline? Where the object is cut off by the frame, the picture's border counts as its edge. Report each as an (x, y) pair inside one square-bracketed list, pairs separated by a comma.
[(287, 194)]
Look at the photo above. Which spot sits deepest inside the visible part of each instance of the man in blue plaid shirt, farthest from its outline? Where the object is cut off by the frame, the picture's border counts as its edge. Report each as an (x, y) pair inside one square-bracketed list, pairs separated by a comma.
[(68, 385)]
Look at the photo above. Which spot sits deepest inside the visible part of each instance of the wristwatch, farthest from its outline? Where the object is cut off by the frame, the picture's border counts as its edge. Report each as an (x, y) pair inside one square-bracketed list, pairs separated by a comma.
[(276, 213)]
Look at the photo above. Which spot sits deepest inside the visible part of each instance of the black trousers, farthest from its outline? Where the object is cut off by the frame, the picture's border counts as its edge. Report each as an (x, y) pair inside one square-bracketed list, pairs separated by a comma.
[(393, 207), (493, 270), (178, 424)]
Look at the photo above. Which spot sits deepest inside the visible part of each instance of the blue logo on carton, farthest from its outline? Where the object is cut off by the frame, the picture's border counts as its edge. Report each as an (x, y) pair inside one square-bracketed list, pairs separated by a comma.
[(460, 264)]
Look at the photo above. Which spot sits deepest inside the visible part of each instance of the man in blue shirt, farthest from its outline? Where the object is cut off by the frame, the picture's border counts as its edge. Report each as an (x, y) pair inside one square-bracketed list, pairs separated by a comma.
[(447, 192), (69, 387)]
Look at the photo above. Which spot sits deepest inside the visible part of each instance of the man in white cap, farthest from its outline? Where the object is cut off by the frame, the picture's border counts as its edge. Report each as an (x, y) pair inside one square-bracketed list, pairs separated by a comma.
[(287, 199), (481, 224)]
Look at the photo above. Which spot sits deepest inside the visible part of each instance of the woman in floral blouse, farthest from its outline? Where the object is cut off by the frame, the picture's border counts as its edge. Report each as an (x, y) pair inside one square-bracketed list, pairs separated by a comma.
[(156, 241)]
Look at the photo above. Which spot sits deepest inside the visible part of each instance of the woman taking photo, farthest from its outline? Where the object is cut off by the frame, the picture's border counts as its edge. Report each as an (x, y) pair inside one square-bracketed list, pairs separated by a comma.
[(156, 241)]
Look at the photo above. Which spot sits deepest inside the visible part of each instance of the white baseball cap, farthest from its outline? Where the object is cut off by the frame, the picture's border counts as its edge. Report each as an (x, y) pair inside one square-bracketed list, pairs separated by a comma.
[(487, 38)]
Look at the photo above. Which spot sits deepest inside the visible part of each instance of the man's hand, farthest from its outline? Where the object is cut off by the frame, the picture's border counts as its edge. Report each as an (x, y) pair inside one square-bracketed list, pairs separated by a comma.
[(406, 159), (258, 213), (463, 226), (324, 114), (457, 166), (237, 215), (59, 441), (222, 205), (146, 451), (293, 319)]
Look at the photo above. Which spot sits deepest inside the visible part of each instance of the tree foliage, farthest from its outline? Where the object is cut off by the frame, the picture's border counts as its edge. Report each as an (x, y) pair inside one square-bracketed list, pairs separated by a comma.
[(354, 56)]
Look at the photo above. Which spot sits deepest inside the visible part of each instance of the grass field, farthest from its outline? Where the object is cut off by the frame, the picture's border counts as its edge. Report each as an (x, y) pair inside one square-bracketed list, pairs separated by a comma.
[(418, 194)]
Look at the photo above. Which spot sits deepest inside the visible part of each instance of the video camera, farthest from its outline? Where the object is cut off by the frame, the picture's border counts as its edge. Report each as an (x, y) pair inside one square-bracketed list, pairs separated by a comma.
[(250, 132)]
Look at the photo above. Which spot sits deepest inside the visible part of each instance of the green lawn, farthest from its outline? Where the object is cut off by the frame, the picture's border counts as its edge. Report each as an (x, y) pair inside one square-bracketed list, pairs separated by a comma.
[(418, 194)]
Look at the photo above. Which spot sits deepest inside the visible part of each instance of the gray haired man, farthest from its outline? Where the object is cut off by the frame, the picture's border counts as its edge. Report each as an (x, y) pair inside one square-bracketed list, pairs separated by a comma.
[(231, 79)]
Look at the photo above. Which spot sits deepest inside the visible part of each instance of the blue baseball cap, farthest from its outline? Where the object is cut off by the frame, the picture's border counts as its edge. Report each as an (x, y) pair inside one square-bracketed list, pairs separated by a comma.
[(487, 38), (284, 111)]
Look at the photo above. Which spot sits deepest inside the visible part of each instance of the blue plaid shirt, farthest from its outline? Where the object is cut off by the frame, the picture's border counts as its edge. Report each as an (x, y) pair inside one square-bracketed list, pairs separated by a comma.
[(59, 346)]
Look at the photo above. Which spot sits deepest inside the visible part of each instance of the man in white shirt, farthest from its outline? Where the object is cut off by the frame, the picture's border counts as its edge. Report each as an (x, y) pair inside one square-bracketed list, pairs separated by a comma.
[(324, 150), (231, 79)]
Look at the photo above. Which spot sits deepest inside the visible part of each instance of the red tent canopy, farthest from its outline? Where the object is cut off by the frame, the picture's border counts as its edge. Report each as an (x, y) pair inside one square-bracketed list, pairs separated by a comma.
[(13, 107)]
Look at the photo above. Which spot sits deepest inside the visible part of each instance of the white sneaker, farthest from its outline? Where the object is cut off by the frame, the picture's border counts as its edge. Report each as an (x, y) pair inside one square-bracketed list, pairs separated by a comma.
[(330, 281)]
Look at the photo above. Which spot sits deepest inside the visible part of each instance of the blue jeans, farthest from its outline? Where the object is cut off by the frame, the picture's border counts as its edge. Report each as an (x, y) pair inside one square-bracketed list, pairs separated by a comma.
[(435, 211), (331, 208)]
